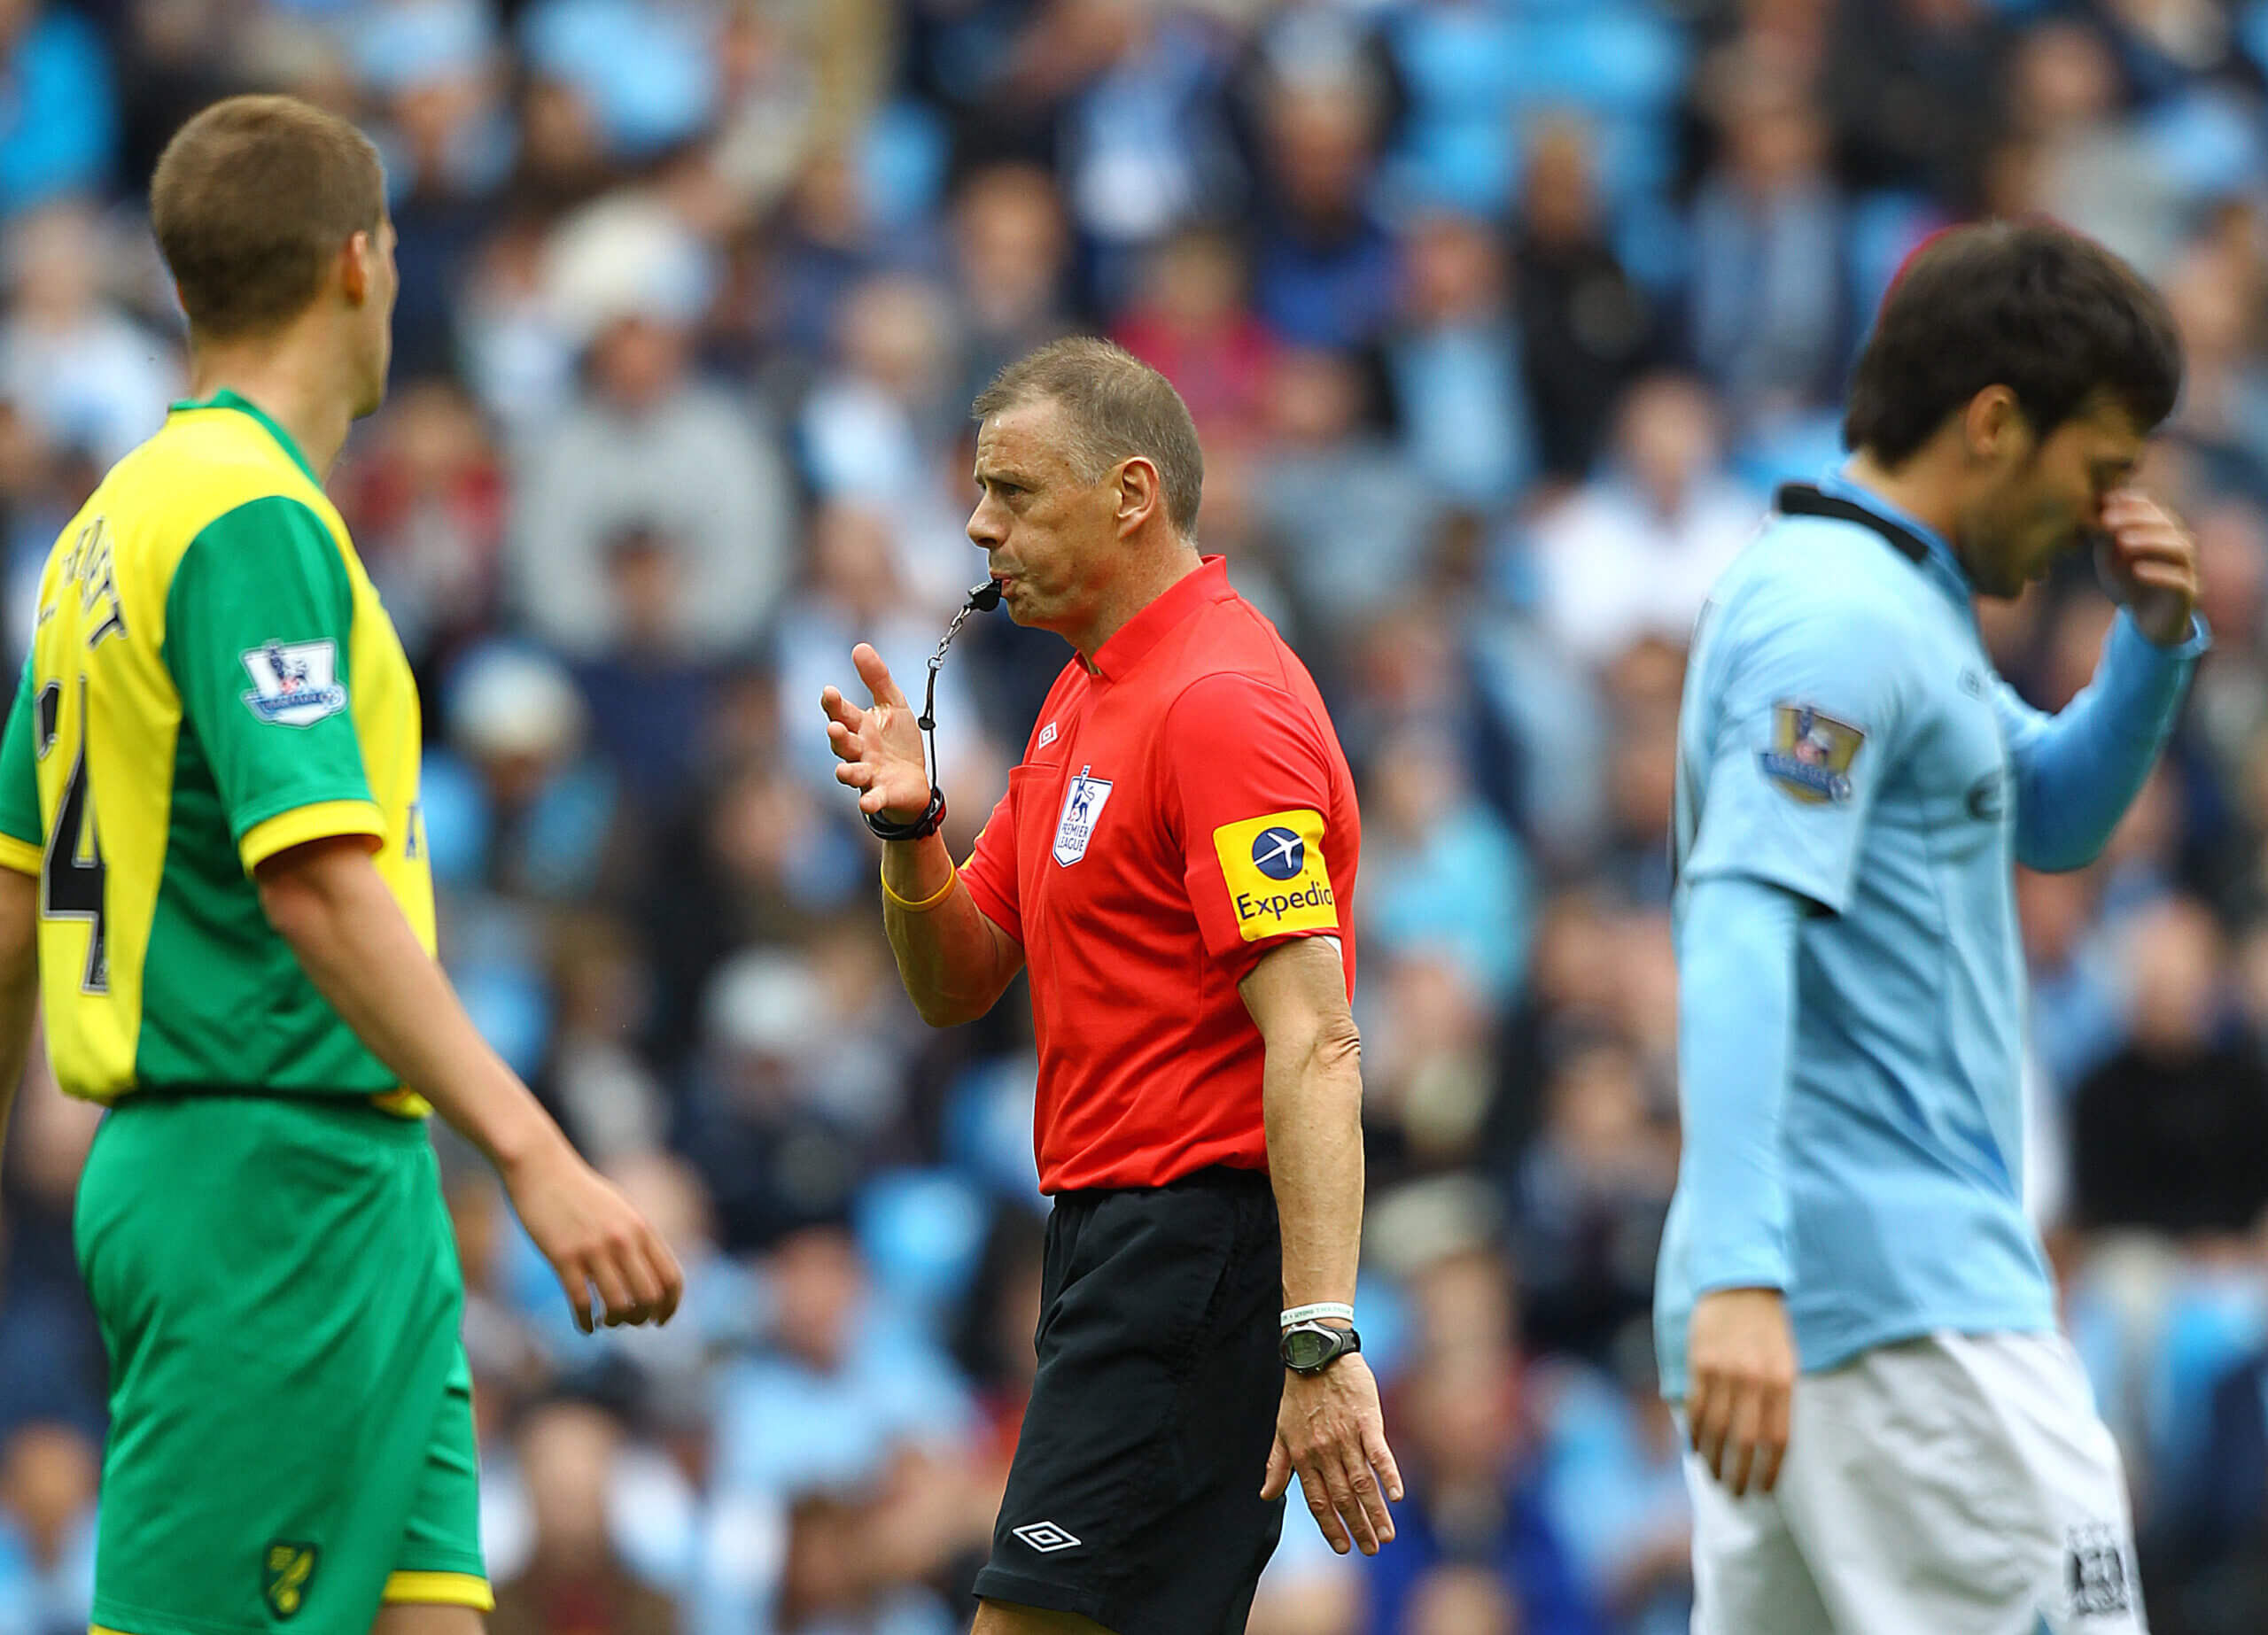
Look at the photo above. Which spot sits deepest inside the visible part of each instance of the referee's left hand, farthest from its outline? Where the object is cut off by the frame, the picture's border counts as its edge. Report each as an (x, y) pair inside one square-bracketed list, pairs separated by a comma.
[(1332, 1430)]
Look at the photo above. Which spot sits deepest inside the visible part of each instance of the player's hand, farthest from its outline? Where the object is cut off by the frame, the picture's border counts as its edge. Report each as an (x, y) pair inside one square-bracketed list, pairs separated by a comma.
[(595, 1239), (880, 747), (1741, 1376), (1332, 1432), (2149, 562)]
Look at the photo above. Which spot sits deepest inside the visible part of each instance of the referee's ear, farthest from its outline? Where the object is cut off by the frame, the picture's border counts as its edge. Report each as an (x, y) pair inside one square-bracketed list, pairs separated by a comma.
[(1140, 494)]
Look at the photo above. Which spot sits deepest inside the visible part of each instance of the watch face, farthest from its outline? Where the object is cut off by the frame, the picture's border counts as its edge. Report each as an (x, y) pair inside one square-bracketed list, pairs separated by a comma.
[(1305, 1348)]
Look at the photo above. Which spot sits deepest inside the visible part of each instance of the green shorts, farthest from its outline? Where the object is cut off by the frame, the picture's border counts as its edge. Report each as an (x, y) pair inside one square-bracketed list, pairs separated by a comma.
[(292, 1438)]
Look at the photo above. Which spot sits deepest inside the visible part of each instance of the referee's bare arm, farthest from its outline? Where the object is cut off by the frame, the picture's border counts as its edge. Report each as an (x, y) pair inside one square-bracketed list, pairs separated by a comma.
[(19, 981), (326, 900), (1329, 1429), (955, 962)]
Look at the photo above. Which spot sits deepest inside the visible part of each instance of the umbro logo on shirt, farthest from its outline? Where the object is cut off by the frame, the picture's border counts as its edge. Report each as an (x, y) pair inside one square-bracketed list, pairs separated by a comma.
[(1047, 1537), (1047, 736)]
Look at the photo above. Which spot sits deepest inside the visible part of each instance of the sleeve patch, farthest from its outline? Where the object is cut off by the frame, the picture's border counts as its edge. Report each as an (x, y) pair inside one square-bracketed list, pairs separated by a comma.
[(1274, 869), (294, 683), (1810, 757)]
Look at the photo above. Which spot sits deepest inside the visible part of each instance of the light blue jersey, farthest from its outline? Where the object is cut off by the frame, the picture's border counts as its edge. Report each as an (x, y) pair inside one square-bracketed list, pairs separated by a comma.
[(1857, 1141)]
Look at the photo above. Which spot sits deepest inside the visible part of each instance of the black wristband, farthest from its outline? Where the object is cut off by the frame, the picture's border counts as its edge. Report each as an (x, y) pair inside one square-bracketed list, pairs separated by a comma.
[(928, 824)]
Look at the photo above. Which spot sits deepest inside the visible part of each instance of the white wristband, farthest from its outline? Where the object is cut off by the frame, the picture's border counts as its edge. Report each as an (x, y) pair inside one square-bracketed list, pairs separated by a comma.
[(1325, 1308)]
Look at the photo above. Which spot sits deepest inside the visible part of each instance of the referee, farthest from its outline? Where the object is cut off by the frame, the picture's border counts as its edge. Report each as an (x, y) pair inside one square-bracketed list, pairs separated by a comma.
[(1173, 860)]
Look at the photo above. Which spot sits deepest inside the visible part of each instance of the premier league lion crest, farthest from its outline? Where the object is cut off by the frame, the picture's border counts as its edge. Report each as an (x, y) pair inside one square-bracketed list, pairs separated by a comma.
[(1811, 755)]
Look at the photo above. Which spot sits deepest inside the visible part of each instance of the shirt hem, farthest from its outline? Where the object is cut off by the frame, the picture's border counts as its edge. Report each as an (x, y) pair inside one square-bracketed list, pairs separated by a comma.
[(22, 855), (1820, 1357)]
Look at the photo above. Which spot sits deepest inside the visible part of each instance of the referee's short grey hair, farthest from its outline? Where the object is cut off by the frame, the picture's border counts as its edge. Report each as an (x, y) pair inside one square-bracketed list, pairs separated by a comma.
[(1114, 407)]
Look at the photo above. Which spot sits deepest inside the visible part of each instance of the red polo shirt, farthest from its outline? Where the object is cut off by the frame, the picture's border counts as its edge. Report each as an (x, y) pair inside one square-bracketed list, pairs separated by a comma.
[(1181, 808)]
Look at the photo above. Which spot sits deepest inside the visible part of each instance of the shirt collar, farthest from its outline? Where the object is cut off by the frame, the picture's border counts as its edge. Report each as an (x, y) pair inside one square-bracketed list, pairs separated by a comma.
[(1133, 640), (225, 398), (1838, 482)]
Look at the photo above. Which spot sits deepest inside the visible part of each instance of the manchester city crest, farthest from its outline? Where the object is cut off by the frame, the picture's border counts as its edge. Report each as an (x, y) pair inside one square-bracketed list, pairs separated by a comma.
[(1811, 753)]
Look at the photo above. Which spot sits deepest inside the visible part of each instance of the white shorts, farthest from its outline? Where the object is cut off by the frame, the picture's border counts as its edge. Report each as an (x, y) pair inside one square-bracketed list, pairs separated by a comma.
[(1957, 1485)]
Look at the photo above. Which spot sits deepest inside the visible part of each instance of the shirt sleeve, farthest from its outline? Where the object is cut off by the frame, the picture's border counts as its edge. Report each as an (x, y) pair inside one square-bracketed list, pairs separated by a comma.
[(21, 842), (990, 869), (1254, 820), (2078, 772), (1798, 743), (258, 620)]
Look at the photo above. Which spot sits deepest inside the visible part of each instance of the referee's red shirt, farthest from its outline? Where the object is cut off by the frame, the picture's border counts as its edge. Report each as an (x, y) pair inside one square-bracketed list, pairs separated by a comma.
[(1180, 809)]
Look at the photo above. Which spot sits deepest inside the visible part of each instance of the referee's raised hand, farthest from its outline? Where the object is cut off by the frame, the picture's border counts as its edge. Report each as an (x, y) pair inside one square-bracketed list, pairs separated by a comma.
[(1332, 1430), (880, 747)]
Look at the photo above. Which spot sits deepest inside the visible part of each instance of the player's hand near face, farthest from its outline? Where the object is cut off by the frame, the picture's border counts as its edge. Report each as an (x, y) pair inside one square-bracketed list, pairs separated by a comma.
[(1741, 1369), (1332, 1430), (2149, 562), (594, 1238), (880, 747)]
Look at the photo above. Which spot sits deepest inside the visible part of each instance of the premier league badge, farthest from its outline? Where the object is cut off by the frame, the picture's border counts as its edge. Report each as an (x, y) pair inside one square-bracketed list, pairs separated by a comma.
[(1811, 755), (1082, 805)]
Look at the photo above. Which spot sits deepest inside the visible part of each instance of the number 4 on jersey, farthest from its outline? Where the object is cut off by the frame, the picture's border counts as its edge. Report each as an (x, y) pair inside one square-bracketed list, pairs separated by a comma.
[(71, 875)]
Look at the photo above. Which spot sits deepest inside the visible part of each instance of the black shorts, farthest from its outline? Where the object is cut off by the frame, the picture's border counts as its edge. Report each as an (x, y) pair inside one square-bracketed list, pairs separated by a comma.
[(1135, 1495)]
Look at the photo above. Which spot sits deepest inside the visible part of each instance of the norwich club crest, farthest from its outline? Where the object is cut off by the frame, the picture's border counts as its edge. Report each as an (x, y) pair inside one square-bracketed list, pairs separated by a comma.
[(288, 1572), (1811, 755)]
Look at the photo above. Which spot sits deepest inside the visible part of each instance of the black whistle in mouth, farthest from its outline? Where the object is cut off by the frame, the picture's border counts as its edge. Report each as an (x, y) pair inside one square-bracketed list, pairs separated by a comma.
[(986, 596)]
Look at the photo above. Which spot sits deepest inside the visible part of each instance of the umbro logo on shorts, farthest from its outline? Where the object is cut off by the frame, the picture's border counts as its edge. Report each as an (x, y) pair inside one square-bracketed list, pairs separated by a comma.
[(1046, 1537)]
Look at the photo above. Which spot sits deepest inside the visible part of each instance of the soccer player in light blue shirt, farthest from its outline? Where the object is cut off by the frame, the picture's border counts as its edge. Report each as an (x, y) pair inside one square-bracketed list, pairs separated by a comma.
[(1852, 1309)]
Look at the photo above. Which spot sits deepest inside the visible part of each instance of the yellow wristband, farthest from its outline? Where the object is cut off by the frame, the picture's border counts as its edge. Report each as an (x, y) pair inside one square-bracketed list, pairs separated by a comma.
[(952, 878)]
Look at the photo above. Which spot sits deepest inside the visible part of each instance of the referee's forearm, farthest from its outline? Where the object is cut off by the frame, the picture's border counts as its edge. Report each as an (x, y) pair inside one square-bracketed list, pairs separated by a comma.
[(947, 954), (1312, 1101)]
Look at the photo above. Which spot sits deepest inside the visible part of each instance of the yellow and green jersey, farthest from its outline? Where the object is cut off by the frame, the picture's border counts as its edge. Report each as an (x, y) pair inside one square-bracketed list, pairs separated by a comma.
[(211, 680)]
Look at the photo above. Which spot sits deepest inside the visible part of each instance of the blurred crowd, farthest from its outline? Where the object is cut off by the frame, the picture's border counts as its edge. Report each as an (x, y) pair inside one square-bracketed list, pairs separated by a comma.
[(1499, 318)]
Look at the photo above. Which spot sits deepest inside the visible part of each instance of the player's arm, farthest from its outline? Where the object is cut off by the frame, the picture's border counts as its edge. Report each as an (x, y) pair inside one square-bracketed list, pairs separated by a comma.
[(1795, 743), (1735, 1023), (954, 960), (19, 882), (2080, 770), (19, 982), (266, 582), (325, 898), (1329, 1429)]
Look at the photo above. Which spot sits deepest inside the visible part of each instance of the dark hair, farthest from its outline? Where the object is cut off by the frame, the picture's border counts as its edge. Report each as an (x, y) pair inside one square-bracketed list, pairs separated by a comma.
[(1117, 407), (250, 200), (2049, 313)]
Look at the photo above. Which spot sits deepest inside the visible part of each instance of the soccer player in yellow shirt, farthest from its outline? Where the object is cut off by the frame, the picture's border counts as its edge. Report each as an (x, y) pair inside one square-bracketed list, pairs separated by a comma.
[(212, 873)]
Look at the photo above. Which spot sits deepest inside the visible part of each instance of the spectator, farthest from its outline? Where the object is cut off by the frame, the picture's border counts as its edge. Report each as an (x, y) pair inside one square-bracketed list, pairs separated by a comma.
[(1768, 292), (1188, 320), (1342, 508), (88, 376), (426, 503), (842, 1387), (1327, 269), (1443, 874), (1474, 1501), (1586, 327), (575, 1577), (59, 124), (1588, 1203), (2170, 1135), (1010, 246), (48, 1475), (1460, 391), (1633, 553), (1911, 86), (646, 444)]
